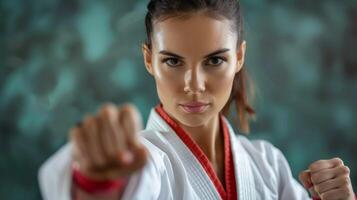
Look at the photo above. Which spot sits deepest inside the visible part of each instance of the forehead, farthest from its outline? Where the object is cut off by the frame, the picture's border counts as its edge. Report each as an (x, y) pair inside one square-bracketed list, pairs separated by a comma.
[(194, 34)]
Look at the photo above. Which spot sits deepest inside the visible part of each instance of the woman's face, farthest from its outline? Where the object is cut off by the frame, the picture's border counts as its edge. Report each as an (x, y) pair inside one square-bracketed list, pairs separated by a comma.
[(193, 61)]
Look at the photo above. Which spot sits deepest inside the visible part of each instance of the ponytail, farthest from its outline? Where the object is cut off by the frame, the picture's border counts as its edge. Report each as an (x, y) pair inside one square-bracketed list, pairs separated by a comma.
[(239, 96)]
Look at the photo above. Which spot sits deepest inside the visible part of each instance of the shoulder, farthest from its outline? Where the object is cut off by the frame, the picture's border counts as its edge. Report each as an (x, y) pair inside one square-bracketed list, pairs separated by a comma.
[(150, 140), (261, 147), (264, 153), (158, 147)]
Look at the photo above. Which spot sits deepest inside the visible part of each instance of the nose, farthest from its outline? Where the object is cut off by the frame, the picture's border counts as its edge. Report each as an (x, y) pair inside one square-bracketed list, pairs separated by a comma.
[(194, 81)]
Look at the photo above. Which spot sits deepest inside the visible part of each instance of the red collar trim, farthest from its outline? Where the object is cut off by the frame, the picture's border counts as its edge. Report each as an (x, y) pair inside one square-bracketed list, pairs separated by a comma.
[(229, 164), (230, 192)]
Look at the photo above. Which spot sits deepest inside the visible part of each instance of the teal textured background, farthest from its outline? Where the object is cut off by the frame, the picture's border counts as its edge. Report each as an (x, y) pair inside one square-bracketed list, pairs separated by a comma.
[(60, 60)]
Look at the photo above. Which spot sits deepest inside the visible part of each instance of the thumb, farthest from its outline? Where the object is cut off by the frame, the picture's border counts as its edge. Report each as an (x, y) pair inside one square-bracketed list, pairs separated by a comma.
[(305, 179)]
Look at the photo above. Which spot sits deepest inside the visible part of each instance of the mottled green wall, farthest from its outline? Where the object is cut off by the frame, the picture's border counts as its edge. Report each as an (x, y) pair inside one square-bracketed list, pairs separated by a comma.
[(61, 59)]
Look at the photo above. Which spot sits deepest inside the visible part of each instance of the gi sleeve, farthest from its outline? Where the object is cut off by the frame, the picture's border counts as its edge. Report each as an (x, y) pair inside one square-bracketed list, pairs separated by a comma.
[(153, 182), (288, 186)]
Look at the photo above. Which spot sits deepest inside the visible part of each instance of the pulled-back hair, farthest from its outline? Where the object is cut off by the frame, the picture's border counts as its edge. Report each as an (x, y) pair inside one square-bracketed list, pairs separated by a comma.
[(229, 9)]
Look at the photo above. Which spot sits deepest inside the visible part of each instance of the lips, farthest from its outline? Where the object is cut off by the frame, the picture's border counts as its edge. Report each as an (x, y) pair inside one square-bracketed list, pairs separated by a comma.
[(194, 107)]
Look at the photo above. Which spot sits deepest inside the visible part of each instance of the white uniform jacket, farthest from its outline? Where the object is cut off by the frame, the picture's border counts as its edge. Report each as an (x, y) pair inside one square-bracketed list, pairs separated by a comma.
[(176, 168)]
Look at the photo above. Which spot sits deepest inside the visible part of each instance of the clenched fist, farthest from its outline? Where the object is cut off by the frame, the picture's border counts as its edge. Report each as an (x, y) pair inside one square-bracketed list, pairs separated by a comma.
[(328, 179), (106, 145)]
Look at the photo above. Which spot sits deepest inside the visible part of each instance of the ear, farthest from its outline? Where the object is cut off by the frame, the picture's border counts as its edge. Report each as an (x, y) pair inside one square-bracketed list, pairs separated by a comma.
[(147, 58), (241, 56)]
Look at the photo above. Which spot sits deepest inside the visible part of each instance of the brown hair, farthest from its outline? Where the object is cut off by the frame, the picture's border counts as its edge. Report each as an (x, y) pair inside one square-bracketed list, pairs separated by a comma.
[(229, 9)]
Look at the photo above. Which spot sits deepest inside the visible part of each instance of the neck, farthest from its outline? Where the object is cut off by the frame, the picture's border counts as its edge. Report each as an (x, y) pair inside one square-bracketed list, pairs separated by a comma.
[(207, 136)]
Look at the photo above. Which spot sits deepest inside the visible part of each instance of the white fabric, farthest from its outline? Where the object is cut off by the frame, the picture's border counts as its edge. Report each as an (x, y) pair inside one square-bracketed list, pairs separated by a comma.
[(173, 172)]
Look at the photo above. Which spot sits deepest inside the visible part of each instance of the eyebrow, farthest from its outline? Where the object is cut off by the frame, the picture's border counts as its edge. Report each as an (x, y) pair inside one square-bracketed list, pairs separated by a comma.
[(219, 51)]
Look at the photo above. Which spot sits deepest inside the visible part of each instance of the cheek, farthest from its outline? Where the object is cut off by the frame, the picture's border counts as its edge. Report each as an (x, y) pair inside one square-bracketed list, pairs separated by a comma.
[(168, 80), (221, 89), (221, 84), (168, 84)]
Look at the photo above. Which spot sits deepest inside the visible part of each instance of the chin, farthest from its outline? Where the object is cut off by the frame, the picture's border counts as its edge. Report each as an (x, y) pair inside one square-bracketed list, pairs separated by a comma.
[(193, 120)]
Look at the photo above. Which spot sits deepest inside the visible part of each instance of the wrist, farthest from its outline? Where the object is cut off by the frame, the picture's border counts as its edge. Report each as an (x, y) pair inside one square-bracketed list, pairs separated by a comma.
[(93, 186)]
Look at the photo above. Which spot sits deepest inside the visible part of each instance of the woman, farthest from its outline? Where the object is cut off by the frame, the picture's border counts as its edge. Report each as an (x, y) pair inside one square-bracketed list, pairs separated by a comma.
[(188, 150)]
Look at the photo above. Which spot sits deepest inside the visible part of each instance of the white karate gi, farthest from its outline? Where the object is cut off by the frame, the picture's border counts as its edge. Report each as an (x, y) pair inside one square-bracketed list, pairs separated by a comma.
[(173, 172)]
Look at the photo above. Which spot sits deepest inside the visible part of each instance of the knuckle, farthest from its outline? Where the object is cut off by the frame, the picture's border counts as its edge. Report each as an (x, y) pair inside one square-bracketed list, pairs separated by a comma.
[(316, 165), (338, 160), (107, 105), (126, 107), (346, 170), (106, 112)]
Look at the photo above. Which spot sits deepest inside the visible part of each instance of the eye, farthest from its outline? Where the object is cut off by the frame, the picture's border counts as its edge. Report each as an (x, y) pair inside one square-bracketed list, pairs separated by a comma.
[(172, 62), (215, 61)]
